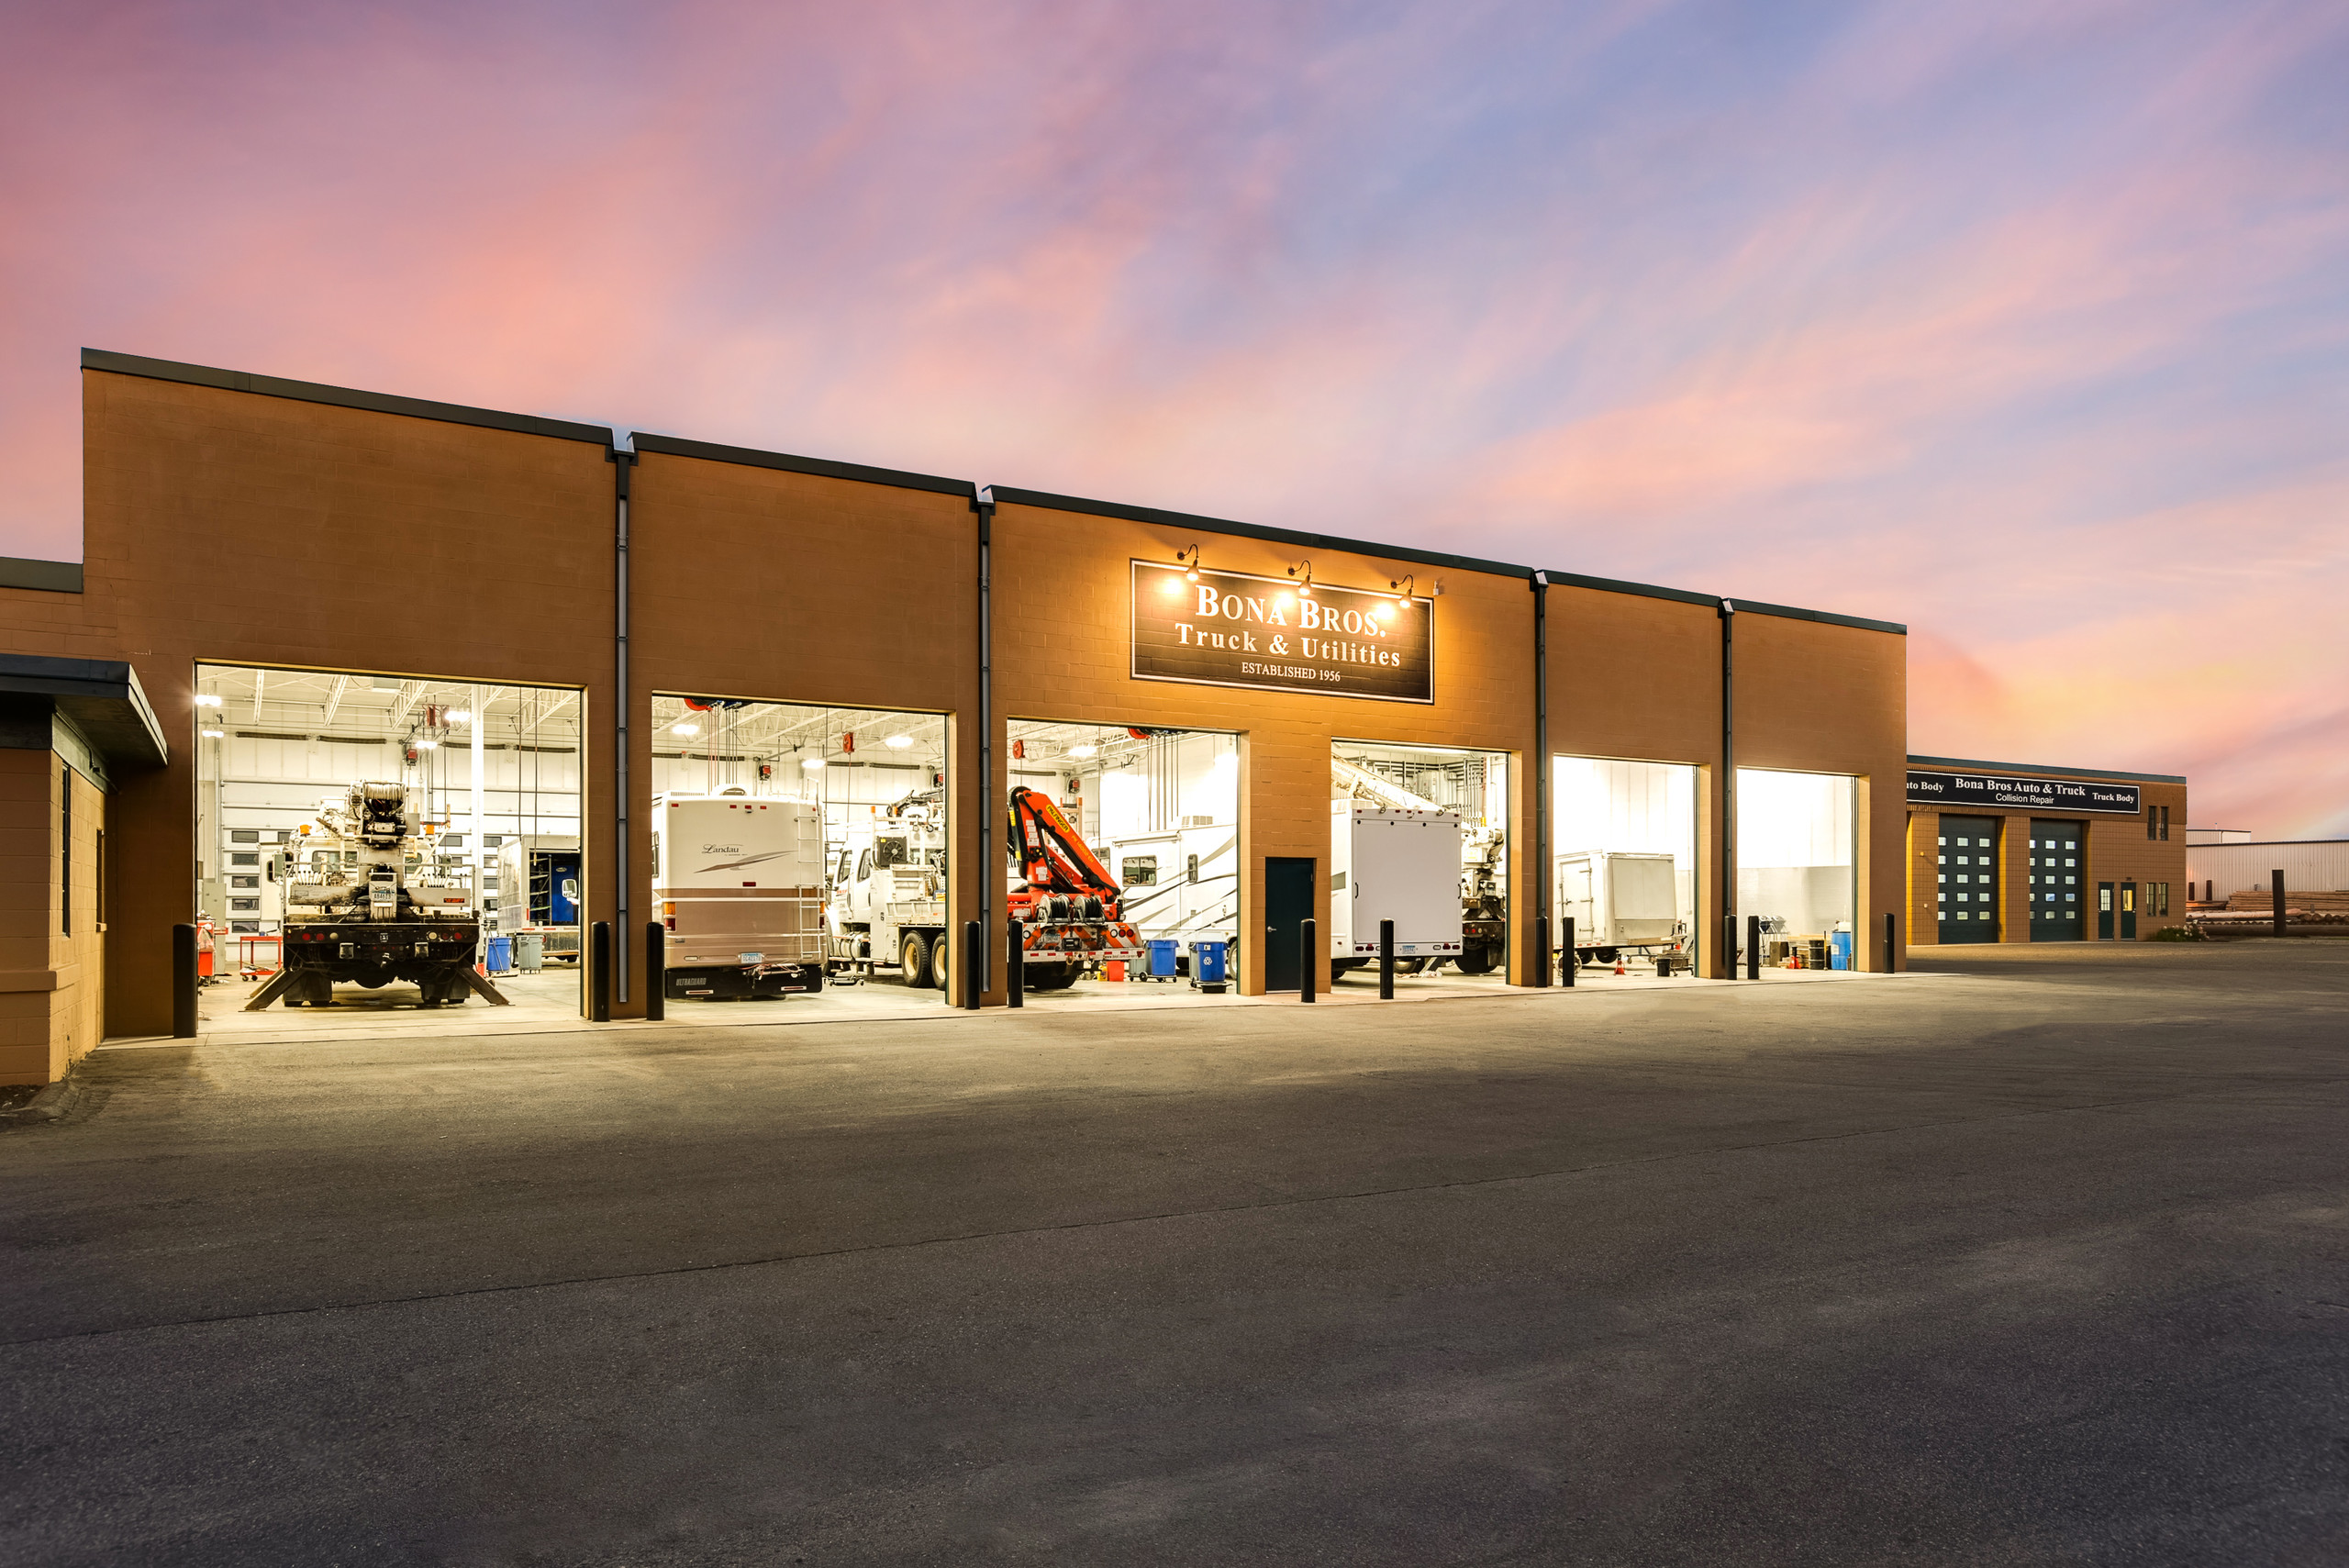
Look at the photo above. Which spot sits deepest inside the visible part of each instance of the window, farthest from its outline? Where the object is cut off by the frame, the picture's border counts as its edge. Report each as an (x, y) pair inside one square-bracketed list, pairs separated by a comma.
[(245, 858), (2165, 833), (244, 835), (244, 881)]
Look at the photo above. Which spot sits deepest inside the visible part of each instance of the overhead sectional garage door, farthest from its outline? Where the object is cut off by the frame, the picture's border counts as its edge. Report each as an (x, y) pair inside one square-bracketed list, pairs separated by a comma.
[(2058, 896), (1968, 870)]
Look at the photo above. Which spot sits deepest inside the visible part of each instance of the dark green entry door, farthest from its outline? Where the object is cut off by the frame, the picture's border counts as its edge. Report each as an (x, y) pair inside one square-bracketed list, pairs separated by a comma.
[(1969, 879), (2058, 893), (2104, 911), (1288, 904)]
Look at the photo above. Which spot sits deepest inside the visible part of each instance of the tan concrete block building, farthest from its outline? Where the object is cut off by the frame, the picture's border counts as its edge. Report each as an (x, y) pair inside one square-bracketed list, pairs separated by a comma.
[(2023, 852), (287, 587)]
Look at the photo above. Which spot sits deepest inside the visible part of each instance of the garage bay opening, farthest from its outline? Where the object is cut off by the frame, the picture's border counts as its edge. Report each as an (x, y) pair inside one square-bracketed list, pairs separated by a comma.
[(1124, 860), (801, 851), (1797, 868), (1624, 863), (374, 847), (1419, 836)]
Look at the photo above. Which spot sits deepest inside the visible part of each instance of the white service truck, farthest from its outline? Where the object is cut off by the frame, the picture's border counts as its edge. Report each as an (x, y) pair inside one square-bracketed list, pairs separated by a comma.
[(1619, 900), (888, 902), (1396, 866), (739, 882)]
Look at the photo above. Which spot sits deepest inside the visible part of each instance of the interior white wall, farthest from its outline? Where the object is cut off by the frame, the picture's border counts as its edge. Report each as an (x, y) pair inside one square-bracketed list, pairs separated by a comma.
[(1795, 849), (1605, 804), (1173, 797)]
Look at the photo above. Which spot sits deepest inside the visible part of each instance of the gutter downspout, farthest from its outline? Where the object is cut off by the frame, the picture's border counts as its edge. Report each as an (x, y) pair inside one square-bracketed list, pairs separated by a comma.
[(621, 462), (1729, 793), (990, 865), (1541, 779)]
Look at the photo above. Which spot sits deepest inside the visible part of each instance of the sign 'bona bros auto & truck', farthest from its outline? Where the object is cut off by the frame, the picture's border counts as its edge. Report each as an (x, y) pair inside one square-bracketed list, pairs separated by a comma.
[(1231, 629)]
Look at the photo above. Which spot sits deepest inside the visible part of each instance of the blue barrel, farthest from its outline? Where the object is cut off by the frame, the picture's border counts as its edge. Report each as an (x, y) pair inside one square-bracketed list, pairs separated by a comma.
[(501, 954), (1840, 956), (1207, 961), (1162, 958)]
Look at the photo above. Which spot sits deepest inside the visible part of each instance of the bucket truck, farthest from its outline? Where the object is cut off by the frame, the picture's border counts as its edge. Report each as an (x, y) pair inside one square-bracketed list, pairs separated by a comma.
[(364, 904)]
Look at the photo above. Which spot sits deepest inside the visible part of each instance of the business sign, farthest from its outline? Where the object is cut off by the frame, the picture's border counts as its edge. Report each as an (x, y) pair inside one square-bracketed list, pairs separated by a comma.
[(1991, 792), (1229, 628)]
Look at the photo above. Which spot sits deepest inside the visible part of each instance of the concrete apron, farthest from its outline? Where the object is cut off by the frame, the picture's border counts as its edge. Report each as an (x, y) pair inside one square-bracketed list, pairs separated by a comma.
[(222, 1022)]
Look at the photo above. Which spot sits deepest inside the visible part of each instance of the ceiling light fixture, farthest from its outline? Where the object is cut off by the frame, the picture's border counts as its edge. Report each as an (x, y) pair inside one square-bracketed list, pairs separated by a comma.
[(684, 730), (207, 699), (212, 734), (463, 715), (898, 742), (1087, 750), (813, 764)]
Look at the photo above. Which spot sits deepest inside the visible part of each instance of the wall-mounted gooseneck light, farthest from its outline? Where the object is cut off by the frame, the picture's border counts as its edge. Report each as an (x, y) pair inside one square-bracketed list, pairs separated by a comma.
[(1189, 559), (1303, 573)]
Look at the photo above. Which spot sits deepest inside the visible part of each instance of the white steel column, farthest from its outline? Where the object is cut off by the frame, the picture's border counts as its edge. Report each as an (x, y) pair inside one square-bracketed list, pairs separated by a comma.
[(472, 829)]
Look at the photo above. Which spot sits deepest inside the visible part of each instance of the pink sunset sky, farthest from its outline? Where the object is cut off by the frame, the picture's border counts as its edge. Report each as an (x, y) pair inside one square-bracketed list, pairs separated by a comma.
[(2025, 325)]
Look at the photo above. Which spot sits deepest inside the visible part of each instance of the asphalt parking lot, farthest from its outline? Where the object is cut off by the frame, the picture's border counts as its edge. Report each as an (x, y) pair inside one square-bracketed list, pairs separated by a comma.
[(2042, 1257)]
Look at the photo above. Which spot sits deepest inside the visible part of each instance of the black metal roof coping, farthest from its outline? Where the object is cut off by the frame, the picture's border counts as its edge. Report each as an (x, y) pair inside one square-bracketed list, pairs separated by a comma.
[(1250, 530), (343, 397), (2042, 768), (47, 576), (826, 468), (102, 696)]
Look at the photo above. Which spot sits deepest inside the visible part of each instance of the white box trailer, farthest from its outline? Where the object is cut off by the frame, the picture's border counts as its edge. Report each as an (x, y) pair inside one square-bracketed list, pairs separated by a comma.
[(1402, 866), (1617, 899), (739, 882)]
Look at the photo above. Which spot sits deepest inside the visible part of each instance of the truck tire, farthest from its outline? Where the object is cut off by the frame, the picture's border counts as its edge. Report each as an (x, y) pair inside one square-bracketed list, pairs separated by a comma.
[(1050, 976), (1475, 960), (941, 968), (913, 957)]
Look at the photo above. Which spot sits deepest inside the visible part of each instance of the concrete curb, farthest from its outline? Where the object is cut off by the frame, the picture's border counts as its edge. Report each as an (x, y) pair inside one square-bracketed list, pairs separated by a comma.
[(50, 1106)]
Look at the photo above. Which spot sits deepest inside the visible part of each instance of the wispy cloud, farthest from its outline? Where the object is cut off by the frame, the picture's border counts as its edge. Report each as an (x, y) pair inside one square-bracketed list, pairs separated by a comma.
[(2026, 326)]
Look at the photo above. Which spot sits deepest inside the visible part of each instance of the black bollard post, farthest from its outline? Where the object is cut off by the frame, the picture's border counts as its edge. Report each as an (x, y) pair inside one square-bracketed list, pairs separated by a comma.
[(1386, 961), (973, 950), (2276, 879), (1891, 944), (1568, 959), (1015, 964), (1542, 949), (1728, 947), (183, 981), (1309, 933), (599, 972), (656, 970), (1754, 946)]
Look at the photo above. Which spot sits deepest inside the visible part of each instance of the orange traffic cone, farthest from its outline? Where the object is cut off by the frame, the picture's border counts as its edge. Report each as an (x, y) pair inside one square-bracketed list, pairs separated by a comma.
[(1619, 965)]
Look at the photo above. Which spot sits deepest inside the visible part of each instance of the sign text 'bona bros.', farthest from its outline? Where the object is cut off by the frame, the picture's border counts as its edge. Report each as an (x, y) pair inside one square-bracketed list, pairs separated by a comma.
[(1231, 629)]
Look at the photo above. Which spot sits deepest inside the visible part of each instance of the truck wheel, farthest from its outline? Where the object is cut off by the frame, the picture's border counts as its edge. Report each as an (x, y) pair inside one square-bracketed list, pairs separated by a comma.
[(940, 950), (1475, 961), (913, 959)]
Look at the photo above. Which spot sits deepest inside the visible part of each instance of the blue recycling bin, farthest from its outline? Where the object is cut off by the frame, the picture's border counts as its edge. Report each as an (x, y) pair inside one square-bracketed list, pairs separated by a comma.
[(501, 954), (1838, 954), (1162, 958), (1206, 961)]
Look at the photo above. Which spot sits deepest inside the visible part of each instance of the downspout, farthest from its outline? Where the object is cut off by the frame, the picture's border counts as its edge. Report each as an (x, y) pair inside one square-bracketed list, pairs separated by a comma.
[(622, 929), (990, 865), (1729, 793), (1541, 779)]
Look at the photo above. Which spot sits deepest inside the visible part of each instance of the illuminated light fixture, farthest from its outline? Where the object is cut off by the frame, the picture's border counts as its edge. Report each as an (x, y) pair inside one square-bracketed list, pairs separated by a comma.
[(1383, 611), (1304, 587), (463, 715), (1087, 751), (207, 699), (212, 734), (898, 742), (427, 745), (813, 764), (1189, 560), (1400, 591), (684, 730)]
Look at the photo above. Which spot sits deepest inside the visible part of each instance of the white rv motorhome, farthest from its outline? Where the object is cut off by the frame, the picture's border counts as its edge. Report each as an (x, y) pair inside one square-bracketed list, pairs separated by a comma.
[(1402, 866), (741, 886)]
